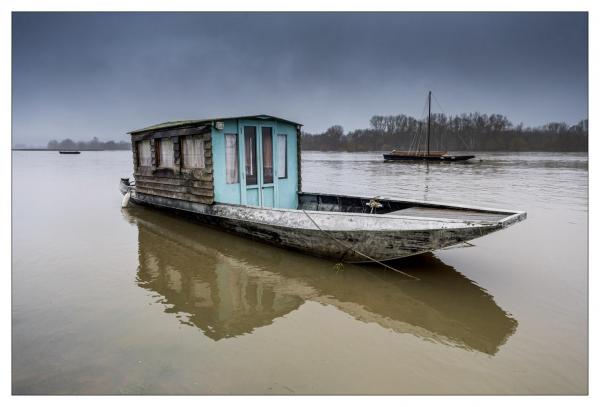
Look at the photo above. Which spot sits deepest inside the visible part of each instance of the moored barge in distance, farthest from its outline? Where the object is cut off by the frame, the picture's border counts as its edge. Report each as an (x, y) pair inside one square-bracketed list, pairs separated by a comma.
[(425, 155), (243, 175), (439, 156)]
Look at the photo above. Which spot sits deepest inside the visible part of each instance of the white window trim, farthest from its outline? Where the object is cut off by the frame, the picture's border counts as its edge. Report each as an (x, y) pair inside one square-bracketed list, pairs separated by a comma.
[(285, 157), (235, 157)]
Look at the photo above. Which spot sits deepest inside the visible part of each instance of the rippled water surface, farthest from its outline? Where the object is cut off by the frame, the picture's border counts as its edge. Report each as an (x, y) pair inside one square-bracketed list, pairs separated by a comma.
[(111, 301)]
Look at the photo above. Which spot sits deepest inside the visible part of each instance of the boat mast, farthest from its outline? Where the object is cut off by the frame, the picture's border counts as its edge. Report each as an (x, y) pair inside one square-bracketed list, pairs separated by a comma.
[(429, 122)]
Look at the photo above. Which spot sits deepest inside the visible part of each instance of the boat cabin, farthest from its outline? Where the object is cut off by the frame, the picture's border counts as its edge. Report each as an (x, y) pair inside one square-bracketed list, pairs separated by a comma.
[(248, 160)]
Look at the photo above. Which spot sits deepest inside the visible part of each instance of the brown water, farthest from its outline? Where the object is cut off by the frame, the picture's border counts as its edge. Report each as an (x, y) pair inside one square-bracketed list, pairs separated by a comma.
[(136, 301)]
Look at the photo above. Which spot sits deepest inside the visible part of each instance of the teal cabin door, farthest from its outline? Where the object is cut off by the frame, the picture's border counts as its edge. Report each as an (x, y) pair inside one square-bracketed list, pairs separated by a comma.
[(258, 158)]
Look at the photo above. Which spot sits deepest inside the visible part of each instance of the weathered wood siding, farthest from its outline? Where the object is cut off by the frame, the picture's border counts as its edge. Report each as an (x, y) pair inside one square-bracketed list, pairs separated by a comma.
[(195, 185)]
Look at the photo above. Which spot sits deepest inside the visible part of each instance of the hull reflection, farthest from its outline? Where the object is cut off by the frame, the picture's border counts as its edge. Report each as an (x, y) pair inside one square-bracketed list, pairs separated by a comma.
[(228, 286)]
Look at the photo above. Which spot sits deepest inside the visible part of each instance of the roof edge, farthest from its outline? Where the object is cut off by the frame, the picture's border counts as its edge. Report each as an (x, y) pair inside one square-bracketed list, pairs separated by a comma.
[(189, 123)]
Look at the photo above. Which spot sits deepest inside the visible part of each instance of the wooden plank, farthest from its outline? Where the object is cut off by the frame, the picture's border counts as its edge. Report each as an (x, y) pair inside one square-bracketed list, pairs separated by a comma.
[(175, 188), (163, 180), (176, 195), (206, 173), (467, 215), (185, 131), (201, 191), (176, 181), (202, 184), (162, 187)]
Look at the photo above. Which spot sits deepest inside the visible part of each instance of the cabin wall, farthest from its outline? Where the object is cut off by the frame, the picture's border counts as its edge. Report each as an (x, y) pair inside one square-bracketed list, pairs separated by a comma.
[(285, 189), (224, 192), (289, 186), (195, 185), (209, 185)]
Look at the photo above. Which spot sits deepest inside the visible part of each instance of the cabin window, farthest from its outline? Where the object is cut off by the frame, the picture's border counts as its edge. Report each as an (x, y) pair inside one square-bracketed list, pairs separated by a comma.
[(267, 156), (165, 153), (144, 153), (282, 155), (192, 152), (231, 159), (250, 154)]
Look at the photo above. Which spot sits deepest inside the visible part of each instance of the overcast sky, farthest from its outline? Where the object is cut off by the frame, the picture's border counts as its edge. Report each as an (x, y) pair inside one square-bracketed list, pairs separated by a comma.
[(81, 75)]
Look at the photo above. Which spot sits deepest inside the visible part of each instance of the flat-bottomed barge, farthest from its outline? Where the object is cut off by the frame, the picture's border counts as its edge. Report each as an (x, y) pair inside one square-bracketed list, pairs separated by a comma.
[(243, 175), (426, 154)]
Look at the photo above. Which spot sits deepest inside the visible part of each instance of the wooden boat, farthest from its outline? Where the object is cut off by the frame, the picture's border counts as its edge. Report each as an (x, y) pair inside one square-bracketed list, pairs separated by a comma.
[(342, 227), (425, 155), (69, 152), (233, 173)]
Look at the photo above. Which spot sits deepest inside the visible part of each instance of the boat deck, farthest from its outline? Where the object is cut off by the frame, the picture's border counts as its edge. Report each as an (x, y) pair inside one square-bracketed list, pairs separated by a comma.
[(341, 203), (444, 213)]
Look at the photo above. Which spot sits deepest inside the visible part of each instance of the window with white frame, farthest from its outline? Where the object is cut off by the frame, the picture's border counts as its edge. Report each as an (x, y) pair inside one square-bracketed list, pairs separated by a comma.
[(144, 153), (231, 159), (165, 153), (282, 155), (192, 152)]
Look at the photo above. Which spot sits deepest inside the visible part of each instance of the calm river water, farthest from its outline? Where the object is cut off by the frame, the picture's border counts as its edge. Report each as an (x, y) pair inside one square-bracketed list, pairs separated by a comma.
[(111, 301)]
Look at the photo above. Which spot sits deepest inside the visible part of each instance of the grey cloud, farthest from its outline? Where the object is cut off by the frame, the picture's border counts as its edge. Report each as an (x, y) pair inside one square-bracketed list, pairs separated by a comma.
[(81, 75)]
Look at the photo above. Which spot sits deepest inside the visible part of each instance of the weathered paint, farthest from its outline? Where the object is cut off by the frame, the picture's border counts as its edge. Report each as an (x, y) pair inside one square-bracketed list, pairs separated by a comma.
[(282, 193), (175, 182), (288, 187), (344, 236), (224, 192)]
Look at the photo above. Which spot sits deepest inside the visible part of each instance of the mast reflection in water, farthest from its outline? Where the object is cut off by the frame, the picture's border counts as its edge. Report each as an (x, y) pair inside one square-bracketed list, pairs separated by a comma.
[(229, 286)]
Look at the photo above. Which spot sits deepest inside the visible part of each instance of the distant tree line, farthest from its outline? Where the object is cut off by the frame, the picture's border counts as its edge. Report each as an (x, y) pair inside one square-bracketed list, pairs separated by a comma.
[(93, 144), (468, 131)]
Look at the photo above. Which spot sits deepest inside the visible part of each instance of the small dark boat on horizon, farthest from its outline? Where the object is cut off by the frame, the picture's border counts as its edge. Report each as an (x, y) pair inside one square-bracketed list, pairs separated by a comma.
[(428, 155), (69, 152), (441, 156)]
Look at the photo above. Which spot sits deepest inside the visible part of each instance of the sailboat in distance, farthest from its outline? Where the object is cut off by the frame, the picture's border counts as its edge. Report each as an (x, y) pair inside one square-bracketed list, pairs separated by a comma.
[(425, 155)]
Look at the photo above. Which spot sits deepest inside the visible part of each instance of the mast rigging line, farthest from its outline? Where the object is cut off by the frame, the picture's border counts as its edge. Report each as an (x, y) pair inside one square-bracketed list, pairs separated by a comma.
[(417, 136), (446, 114), (429, 122)]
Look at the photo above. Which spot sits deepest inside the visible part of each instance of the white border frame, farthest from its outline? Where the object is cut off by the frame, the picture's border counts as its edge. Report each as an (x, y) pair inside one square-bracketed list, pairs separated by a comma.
[(308, 5)]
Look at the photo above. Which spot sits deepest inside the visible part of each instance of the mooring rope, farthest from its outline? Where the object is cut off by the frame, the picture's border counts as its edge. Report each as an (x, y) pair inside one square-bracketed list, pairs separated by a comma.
[(356, 251)]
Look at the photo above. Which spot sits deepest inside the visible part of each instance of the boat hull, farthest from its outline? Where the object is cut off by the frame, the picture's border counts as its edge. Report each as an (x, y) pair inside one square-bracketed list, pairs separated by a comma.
[(348, 237)]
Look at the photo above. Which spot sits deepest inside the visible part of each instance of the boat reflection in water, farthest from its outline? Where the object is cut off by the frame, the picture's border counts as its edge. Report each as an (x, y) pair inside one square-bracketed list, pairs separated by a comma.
[(228, 286)]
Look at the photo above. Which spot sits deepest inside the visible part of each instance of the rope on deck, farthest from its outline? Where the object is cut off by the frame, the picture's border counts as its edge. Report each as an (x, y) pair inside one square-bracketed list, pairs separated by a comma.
[(356, 251)]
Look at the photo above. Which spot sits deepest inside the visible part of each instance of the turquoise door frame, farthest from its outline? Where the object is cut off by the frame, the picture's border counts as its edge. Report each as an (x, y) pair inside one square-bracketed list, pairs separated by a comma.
[(261, 194)]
